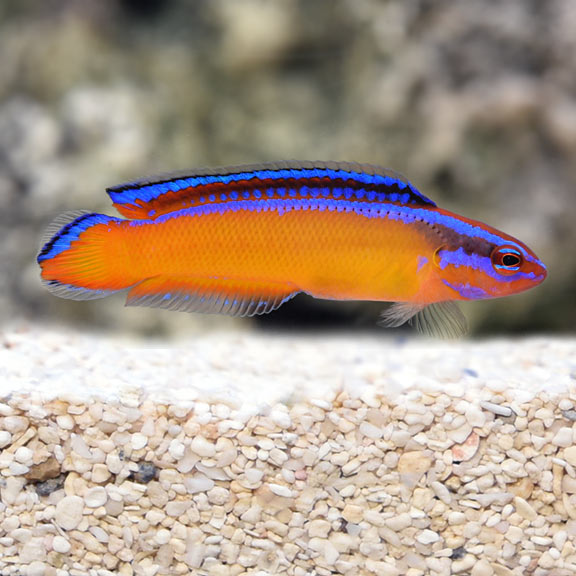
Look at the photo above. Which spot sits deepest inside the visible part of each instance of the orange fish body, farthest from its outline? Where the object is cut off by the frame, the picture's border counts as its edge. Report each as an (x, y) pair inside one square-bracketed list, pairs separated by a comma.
[(244, 240)]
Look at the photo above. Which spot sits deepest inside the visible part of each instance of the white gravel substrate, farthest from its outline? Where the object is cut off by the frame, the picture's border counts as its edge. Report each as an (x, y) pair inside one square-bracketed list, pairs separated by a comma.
[(266, 454)]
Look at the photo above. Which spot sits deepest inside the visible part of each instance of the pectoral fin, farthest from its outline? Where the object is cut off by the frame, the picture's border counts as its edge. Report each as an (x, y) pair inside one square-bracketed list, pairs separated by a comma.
[(440, 320)]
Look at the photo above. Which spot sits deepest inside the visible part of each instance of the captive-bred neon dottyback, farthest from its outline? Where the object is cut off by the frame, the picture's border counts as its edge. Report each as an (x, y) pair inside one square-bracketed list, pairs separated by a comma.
[(244, 240)]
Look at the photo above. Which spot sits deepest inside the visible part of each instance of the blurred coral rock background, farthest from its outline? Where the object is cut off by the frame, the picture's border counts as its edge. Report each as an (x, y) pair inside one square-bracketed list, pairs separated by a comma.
[(477, 107)]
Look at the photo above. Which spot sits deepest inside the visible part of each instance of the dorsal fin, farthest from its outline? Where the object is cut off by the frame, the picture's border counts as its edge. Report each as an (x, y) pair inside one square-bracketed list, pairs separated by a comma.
[(149, 198)]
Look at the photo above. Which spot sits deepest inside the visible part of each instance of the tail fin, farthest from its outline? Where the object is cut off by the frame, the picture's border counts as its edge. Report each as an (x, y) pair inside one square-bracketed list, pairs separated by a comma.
[(83, 256)]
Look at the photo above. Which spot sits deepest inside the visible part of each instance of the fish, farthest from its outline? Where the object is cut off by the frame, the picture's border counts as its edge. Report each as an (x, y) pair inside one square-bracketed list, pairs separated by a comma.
[(243, 240)]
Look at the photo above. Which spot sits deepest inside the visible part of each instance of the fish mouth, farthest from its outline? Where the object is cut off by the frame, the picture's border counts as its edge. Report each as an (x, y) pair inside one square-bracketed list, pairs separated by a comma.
[(541, 273), (536, 278), (536, 269), (541, 278)]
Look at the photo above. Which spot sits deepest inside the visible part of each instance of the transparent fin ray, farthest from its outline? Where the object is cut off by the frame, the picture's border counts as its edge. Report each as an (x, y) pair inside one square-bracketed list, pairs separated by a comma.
[(75, 292), (60, 222), (211, 295), (398, 314), (439, 320)]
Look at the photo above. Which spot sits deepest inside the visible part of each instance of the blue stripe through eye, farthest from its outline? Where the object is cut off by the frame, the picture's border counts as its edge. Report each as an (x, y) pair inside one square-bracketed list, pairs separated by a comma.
[(509, 251), (508, 268)]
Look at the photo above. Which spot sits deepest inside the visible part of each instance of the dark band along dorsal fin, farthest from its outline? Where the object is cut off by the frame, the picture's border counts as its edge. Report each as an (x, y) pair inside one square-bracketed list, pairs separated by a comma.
[(234, 297), (149, 198)]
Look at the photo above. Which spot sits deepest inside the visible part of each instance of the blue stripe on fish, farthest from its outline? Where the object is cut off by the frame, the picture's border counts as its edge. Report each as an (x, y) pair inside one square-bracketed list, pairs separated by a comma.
[(407, 214), (144, 191), (62, 240), (422, 261), (459, 258), (468, 291)]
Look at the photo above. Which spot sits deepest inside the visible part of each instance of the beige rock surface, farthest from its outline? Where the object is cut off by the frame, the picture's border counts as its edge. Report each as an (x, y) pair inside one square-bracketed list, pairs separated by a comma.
[(232, 480)]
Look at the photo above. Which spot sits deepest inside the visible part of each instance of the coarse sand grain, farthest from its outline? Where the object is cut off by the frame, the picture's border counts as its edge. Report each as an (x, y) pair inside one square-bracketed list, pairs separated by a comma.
[(242, 453)]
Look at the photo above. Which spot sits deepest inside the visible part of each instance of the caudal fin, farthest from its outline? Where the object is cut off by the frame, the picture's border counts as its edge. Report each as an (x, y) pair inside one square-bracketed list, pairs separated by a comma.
[(83, 256)]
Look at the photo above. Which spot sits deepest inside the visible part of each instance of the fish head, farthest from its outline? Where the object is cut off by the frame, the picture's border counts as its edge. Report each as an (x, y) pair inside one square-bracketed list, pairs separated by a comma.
[(486, 263)]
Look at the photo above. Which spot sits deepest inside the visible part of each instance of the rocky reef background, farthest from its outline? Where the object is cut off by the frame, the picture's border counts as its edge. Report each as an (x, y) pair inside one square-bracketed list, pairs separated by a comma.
[(475, 101)]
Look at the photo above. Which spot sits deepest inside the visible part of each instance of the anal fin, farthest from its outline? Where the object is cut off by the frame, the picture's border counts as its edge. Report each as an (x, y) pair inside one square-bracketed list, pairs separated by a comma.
[(439, 320), (233, 297)]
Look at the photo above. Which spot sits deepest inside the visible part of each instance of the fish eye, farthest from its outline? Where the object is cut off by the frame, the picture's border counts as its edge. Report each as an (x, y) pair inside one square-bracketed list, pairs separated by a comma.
[(507, 260)]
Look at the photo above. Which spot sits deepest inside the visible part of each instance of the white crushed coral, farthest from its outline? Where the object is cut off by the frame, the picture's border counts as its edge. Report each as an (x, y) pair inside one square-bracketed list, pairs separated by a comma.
[(245, 454)]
